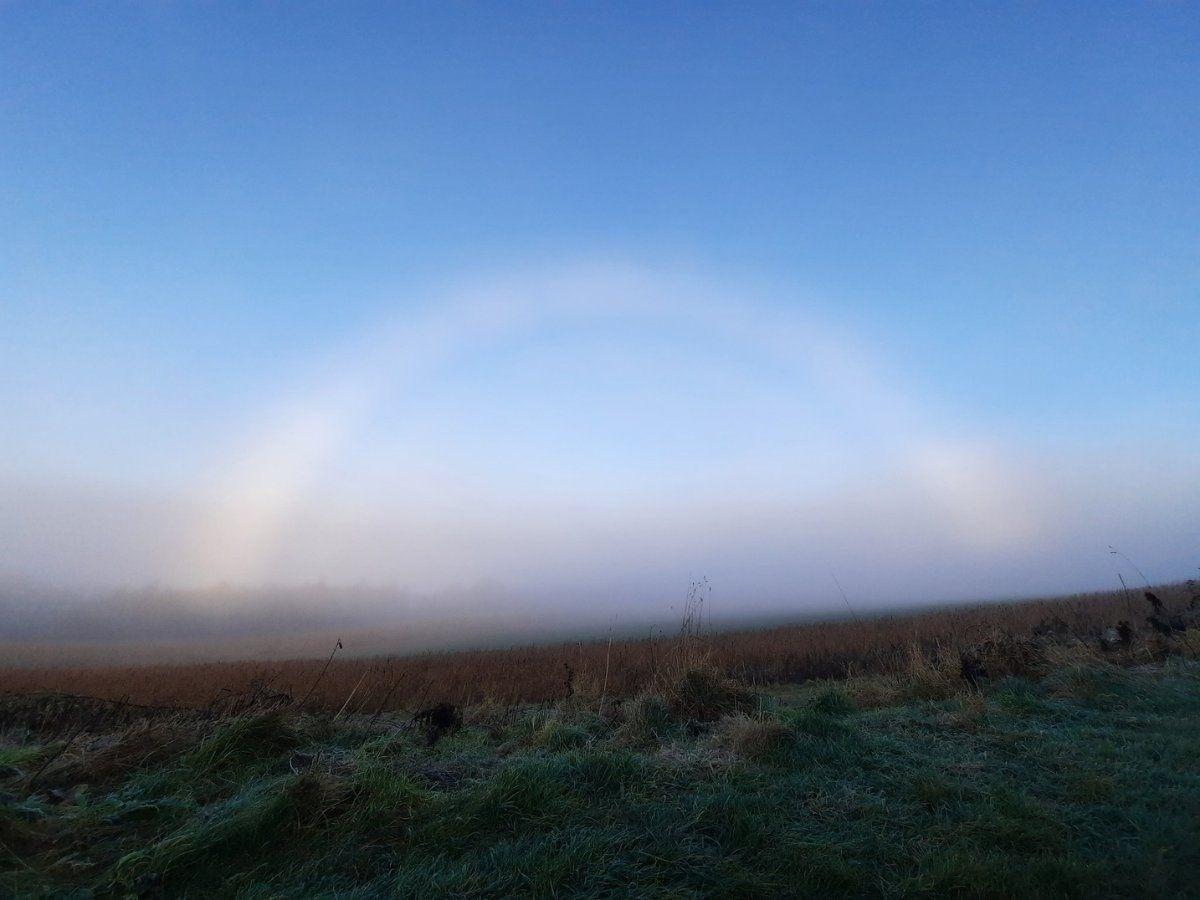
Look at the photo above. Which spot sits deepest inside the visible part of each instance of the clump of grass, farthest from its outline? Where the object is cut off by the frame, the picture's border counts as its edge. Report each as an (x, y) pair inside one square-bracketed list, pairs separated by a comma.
[(929, 677), (605, 772), (1057, 657), (1005, 653), (136, 748), (1020, 696), (753, 739), (705, 694), (520, 729), (381, 796), (1093, 682), (524, 792), (265, 813), (242, 740), (490, 713), (920, 677), (589, 719), (646, 719), (557, 736), (834, 701)]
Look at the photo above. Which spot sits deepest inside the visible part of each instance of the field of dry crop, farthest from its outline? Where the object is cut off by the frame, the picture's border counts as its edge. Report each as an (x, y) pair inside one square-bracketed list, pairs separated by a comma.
[(783, 654)]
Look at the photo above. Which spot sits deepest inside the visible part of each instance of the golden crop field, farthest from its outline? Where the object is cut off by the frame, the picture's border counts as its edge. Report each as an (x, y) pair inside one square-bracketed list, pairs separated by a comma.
[(618, 668)]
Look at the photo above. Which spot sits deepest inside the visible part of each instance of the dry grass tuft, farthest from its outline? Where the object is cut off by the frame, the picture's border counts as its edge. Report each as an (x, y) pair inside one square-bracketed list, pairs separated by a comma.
[(753, 739), (921, 676), (705, 695), (645, 719), (112, 758)]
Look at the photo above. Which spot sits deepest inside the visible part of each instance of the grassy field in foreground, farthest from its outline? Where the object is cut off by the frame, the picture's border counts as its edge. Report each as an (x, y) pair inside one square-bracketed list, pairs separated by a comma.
[(1081, 778)]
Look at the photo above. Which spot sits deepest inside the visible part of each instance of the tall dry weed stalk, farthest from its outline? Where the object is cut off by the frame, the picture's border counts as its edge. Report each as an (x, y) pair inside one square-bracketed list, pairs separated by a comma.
[(336, 648), (690, 648)]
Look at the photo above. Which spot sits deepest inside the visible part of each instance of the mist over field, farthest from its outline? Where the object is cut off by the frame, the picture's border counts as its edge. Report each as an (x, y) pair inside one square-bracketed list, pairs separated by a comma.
[(431, 578)]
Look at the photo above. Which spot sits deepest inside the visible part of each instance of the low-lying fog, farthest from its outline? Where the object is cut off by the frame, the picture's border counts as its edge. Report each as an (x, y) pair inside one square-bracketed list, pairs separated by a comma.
[(442, 578)]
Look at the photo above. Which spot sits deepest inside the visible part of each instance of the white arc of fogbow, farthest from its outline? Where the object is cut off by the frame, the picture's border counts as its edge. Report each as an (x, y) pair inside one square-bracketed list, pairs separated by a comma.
[(271, 469)]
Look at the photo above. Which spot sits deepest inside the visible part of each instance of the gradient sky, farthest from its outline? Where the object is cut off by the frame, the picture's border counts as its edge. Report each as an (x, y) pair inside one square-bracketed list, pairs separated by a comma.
[(601, 297)]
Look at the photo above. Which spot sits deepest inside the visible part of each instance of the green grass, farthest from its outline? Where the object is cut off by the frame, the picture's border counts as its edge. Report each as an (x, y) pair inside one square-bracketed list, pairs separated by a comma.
[(1083, 783)]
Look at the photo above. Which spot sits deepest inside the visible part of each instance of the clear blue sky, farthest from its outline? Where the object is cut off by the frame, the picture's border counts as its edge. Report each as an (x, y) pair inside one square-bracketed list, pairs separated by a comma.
[(200, 204)]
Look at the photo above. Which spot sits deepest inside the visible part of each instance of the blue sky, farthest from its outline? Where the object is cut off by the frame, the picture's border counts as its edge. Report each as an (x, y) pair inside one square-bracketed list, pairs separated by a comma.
[(209, 212)]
